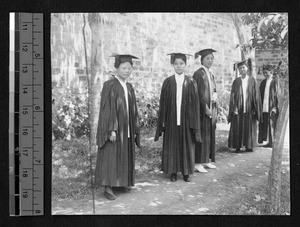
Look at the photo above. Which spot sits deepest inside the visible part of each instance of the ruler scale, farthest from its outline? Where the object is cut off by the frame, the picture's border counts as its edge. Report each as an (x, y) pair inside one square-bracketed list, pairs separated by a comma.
[(29, 115)]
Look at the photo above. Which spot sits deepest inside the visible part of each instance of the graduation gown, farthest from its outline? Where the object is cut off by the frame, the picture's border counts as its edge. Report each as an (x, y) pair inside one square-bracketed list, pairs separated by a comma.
[(205, 150), (178, 156), (115, 161), (268, 124), (243, 127)]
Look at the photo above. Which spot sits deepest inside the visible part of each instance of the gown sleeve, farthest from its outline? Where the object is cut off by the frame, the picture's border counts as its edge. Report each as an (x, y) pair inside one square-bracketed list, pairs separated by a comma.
[(162, 112), (198, 77), (257, 102), (232, 103), (107, 115), (194, 110), (276, 96), (136, 119)]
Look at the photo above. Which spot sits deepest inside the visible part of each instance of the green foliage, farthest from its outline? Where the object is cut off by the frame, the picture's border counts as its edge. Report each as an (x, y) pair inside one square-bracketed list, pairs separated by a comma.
[(71, 168), (254, 201), (148, 107), (270, 30), (148, 158), (223, 105), (69, 113)]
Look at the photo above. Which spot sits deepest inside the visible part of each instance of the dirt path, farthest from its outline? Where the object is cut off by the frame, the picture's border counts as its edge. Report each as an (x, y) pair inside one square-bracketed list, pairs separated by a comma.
[(204, 194)]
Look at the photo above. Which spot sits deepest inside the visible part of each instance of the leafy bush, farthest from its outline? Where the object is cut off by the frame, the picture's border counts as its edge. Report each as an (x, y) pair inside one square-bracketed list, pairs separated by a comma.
[(269, 30), (69, 113), (223, 105), (71, 168), (148, 107)]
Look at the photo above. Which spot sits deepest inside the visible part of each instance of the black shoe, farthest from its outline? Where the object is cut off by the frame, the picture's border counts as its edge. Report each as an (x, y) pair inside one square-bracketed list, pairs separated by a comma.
[(249, 150), (173, 177), (268, 145), (186, 178), (237, 150), (109, 196), (127, 189)]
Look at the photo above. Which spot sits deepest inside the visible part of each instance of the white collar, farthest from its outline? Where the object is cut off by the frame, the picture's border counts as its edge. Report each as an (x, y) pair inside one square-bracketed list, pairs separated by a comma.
[(179, 77), (206, 69), (246, 77), (203, 66), (124, 83)]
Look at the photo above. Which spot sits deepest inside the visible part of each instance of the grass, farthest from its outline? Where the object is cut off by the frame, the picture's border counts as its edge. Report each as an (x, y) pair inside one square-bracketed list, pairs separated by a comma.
[(71, 167), (71, 172), (254, 201)]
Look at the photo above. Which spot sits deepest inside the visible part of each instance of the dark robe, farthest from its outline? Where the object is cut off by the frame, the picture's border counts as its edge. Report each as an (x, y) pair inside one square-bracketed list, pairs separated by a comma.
[(268, 124), (115, 161), (243, 128), (178, 153), (206, 150)]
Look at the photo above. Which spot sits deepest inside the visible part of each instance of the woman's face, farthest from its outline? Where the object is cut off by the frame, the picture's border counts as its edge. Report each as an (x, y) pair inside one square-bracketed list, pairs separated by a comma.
[(208, 60), (267, 73), (179, 65), (243, 70), (124, 70)]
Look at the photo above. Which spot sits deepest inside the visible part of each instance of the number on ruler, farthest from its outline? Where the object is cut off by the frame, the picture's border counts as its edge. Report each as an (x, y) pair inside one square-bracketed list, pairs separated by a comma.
[(25, 194), (24, 48), (25, 173), (37, 107), (25, 152), (25, 90), (24, 69), (25, 131), (24, 26), (25, 109)]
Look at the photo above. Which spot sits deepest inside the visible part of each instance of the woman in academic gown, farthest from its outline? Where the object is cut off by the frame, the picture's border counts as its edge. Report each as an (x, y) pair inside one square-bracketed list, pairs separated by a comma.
[(179, 121), (269, 98), (244, 110), (117, 130), (205, 151)]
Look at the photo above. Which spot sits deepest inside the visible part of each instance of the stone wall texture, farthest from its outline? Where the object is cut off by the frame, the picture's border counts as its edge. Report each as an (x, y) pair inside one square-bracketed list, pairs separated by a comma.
[(268, 57), (150, 37)]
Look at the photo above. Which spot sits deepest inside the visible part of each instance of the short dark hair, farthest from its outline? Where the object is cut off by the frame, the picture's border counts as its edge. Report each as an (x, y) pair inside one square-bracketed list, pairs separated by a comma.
[(267, 67), (203, 56)]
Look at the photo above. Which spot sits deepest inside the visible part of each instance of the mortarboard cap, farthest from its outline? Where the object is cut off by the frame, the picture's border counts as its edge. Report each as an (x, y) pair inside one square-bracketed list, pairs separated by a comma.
[(121, 58), (203, 53), (267, 67), (245, 62), (178, 55)]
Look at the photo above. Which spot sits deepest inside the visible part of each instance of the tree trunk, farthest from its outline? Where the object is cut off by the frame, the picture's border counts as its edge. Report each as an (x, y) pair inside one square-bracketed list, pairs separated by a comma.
[(95, 25), (238, 24), (247, 52), (274, 179), (88, 107)]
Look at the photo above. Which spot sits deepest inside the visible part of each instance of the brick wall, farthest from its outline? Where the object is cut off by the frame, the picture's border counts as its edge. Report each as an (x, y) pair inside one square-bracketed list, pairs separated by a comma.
[(267, 57), (67, 50), (149, 36)]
